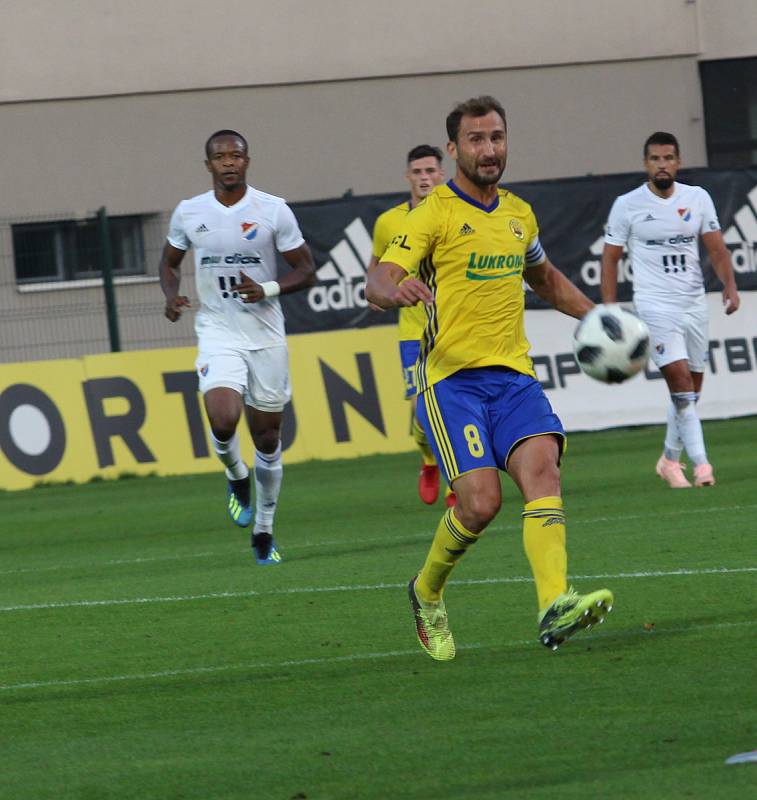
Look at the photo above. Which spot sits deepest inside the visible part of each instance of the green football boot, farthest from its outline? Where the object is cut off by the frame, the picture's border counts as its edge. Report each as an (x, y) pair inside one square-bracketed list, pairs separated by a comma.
[(572, 612)]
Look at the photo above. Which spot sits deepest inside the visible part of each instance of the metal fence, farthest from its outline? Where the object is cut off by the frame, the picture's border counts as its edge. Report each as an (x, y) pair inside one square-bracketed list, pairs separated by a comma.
[(54, 301)]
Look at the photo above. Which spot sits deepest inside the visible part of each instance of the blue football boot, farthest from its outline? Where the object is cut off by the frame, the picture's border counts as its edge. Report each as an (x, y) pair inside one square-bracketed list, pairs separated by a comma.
[(264, 549), (238, 503)]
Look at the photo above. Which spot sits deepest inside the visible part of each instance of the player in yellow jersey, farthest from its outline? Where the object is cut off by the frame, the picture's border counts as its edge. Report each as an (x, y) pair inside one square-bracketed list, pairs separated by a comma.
[(424, 171), (464, 253)]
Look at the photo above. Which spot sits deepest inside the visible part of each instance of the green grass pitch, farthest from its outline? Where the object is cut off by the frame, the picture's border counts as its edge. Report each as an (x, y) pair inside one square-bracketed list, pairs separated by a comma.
[(144, 655)]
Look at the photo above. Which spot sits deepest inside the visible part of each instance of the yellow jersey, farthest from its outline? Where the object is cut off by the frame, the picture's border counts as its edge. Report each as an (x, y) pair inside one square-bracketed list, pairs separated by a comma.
[(412, 320), (472, 259)]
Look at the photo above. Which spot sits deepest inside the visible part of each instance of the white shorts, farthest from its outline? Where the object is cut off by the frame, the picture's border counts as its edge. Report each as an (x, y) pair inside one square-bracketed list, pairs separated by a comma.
[(677, 335), (260, 376)]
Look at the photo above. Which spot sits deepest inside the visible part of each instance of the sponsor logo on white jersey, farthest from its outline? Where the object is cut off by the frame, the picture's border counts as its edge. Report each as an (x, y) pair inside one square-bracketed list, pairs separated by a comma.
[(741, 237), (342, 279)]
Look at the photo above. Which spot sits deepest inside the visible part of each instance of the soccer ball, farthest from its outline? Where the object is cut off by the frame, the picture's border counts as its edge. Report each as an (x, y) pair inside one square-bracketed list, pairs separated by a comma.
[(611, 344)]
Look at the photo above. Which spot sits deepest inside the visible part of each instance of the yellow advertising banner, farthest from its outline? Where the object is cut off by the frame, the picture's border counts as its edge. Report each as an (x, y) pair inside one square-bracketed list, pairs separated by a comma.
[(140, 412)]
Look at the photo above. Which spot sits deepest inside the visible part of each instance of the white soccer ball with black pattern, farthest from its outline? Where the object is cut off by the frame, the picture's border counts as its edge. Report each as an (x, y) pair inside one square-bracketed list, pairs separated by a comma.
[(611, 344)]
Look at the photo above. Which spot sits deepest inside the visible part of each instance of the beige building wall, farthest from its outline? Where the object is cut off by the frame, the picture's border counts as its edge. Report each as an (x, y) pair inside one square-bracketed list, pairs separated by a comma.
[(110, 105), (93, 48), (727, 28), (144, 152)]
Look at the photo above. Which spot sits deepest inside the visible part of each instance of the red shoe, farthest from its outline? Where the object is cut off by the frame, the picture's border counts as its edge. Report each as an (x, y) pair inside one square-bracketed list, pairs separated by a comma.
[(428, 483), (450, 500)]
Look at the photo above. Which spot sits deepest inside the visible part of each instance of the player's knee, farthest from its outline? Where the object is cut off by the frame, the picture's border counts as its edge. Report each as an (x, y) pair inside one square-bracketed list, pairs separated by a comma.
[(223, 427), (479, 509), (548, 475), (268, 440)]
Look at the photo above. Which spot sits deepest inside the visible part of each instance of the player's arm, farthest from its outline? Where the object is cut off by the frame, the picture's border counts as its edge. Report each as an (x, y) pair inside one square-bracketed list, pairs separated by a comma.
[(302, 273), (301, 276), (617, 231), (554, 288), (720, 258), (392, 281), (608, 281), (170, 278), (389, 285)]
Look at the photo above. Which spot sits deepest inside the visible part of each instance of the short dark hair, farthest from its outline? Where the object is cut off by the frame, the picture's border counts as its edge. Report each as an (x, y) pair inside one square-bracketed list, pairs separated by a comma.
[(475, 107), (424, 151), (224, 132), (660, 137)]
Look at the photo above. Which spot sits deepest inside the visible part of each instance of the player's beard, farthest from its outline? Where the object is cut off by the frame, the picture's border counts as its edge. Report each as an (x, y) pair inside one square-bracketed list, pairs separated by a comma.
[(480, 180), (662, 182)]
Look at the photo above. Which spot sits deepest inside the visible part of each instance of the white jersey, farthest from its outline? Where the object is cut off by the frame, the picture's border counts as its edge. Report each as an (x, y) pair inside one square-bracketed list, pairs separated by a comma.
[(662, 237), (228, 240)]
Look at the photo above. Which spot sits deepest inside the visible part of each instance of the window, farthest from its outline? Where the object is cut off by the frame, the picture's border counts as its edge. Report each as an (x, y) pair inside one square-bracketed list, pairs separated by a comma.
[(729, 90), (70, 249)]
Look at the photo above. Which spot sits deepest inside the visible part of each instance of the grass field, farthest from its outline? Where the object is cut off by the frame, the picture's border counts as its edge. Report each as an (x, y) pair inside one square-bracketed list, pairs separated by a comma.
[(144, 655)]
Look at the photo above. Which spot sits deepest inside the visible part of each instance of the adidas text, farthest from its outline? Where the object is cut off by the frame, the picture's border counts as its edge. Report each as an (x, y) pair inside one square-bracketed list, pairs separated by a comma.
[(338, 296)]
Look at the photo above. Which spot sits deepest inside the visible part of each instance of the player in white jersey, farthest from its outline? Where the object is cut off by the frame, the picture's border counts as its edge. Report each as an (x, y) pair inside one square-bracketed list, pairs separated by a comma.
[(235, 231), (661, 223)]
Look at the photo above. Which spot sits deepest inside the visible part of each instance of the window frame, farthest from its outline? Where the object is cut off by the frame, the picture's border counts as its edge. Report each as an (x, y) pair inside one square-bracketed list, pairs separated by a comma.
[(71, 254)]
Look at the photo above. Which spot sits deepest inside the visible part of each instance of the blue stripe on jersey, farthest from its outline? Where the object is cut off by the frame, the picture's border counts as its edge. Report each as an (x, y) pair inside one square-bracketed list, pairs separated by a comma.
[(468, 199), (535, 254)]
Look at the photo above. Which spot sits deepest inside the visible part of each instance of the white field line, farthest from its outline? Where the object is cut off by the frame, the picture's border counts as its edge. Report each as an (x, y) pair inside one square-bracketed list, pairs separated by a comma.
[(305, 662), (359, 588), (427, 534)]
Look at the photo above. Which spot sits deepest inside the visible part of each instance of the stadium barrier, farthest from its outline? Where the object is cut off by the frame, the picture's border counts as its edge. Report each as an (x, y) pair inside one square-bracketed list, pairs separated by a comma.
[(140, 413), (53, 304)]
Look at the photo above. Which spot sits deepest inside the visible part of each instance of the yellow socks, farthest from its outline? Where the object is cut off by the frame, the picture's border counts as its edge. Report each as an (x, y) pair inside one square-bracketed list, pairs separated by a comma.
[(544, 542), (450, 543), (422, 442)]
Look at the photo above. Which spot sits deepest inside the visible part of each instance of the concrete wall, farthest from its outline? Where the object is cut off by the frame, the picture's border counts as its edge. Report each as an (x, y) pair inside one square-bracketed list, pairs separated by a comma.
[(727, 28), (141, 153), (88, 47)]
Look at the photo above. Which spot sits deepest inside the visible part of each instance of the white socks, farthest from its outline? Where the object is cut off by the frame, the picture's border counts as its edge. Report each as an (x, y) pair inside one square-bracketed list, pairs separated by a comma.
[(689, 427), (268, 473), (673, 443), (231, 458)]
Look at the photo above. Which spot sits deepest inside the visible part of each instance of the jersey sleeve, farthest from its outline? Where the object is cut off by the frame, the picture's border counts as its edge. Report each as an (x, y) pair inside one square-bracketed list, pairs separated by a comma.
[(416, 237), (710, 221), (288, 234), (617, 229), (535, 254), (381, 235), (177, 235)]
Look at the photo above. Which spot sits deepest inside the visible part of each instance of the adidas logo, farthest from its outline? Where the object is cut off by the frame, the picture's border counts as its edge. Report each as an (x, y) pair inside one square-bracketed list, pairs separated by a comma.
[(741, 237), (345, 271), (466, 229), (649, 218), (591, 270), (202, 228)]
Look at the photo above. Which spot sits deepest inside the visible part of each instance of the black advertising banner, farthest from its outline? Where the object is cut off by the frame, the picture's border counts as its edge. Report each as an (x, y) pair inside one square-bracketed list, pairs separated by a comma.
[(571, 213), (340, 234)]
